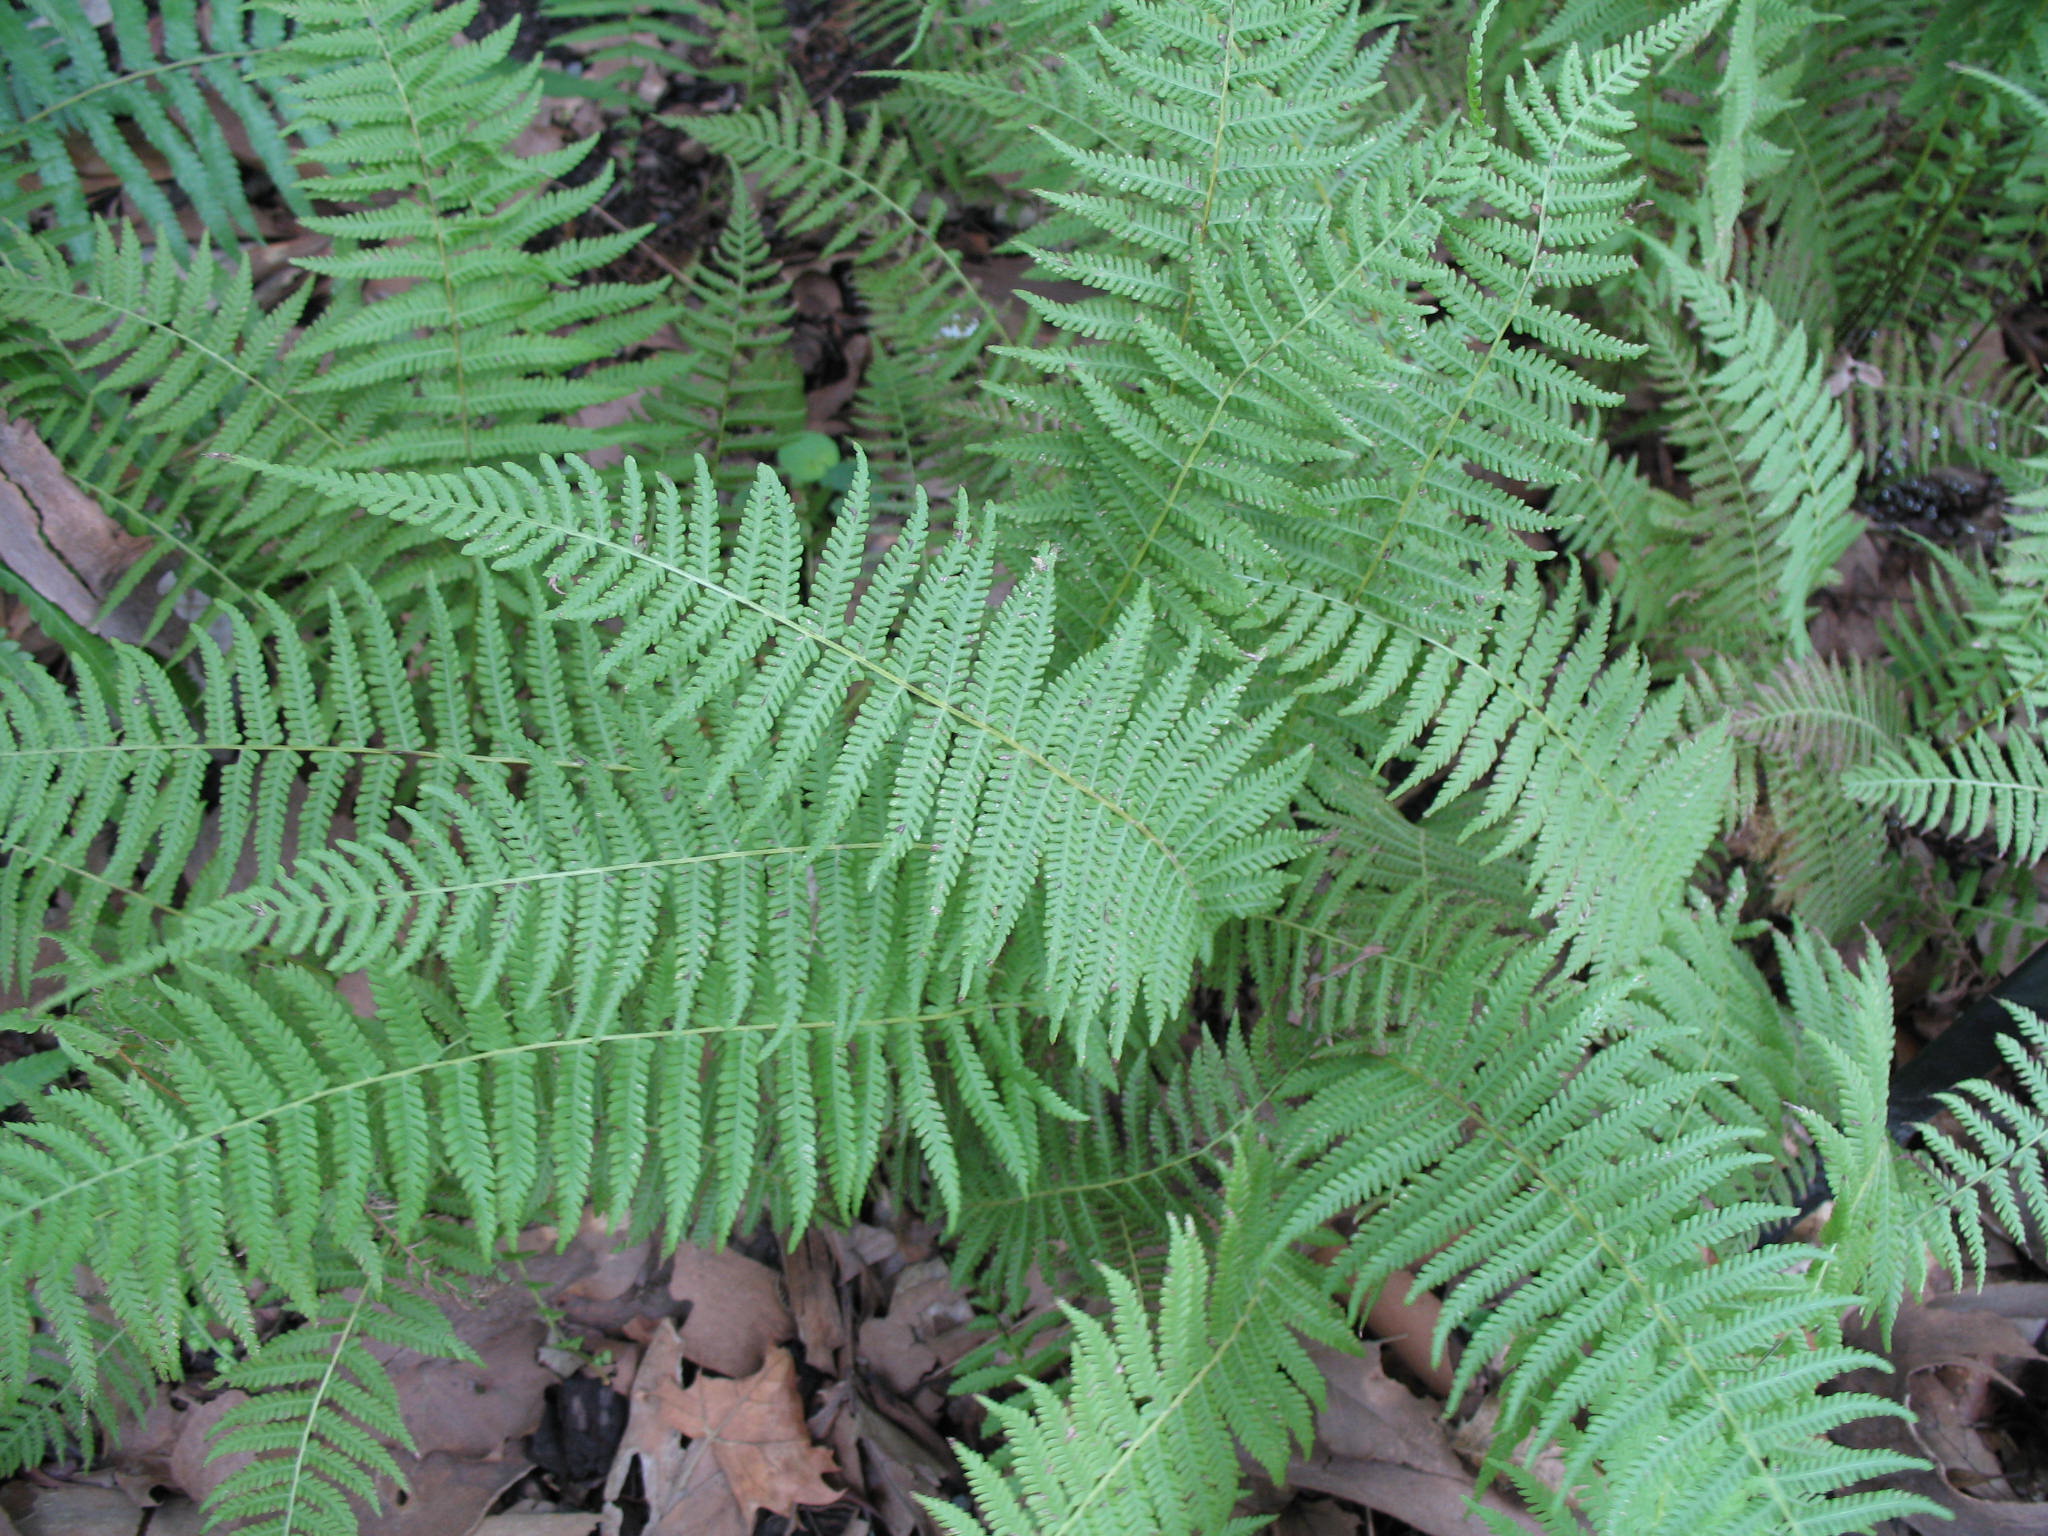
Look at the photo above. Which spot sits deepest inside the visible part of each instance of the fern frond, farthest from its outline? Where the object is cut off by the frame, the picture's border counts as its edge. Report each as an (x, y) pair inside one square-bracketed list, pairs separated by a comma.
[(1126, 1152), (1772, 465), (1154, 1405), (475, 355), (168, 87), (1981, 785), (1889, 1216), (856, 193), (740, 396), (129, 799), (2012, 619), (1288, 414), (1572, 756), (1377, 910), (1831, 712), (1544, 1155), (322, 1413), (1126, 821)]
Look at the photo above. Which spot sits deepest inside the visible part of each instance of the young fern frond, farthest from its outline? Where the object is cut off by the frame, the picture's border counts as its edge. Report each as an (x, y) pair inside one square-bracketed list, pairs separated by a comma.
[(322, 1415), (1156, 1404), (856, 193), (740, 396)]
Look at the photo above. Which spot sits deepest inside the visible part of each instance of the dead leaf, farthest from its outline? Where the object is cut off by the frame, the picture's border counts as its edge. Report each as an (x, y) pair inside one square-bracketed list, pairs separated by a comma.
[(447, 1495), (901, 1456), (620, 1268), (476, 1411), (924, 1331), (1381, 1446), (651, 1442), (54, 536), (67, 1509), (810, 1271), (736, 1310), (756, 1430), (190, 1469)]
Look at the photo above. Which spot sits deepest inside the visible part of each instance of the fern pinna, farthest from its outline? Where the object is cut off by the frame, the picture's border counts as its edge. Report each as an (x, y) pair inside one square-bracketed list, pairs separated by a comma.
[(1294, 763)]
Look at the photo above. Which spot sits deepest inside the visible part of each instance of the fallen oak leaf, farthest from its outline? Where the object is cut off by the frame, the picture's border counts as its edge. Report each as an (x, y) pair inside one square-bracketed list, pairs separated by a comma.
[(755, 1428)]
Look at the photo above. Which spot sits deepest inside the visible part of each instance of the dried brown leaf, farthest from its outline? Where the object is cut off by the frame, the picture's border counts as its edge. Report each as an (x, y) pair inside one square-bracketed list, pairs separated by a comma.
[(755, 1427), (736, 1309)]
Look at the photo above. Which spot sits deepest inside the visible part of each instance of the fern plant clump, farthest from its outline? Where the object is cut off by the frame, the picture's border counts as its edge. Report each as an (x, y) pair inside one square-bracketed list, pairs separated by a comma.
[(1311, 752)]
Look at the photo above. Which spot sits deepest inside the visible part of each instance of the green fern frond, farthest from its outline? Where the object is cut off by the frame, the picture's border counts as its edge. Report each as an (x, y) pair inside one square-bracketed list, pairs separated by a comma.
[(481, 346), (473, 357), (1571, 756), (1129, 1151), (1980, 786), (615, 39), (740, 396), (1835, 713), (856, 193), (132, 798), (2012, 618), (1772, 466), (322, 1414), (1286, 413), (173, 79), (1136, 814), (1154, 1405), (1378, 908), (1546, 1158), (1889, 1216), (1997, 1159)]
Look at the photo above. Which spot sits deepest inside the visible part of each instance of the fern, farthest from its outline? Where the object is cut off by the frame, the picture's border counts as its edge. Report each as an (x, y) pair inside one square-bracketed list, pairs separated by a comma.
[(1154, 1406), (323, 1410), (155, 92), (1289, 324), (1257, 778), (1984, 787), (1558, 1192)]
